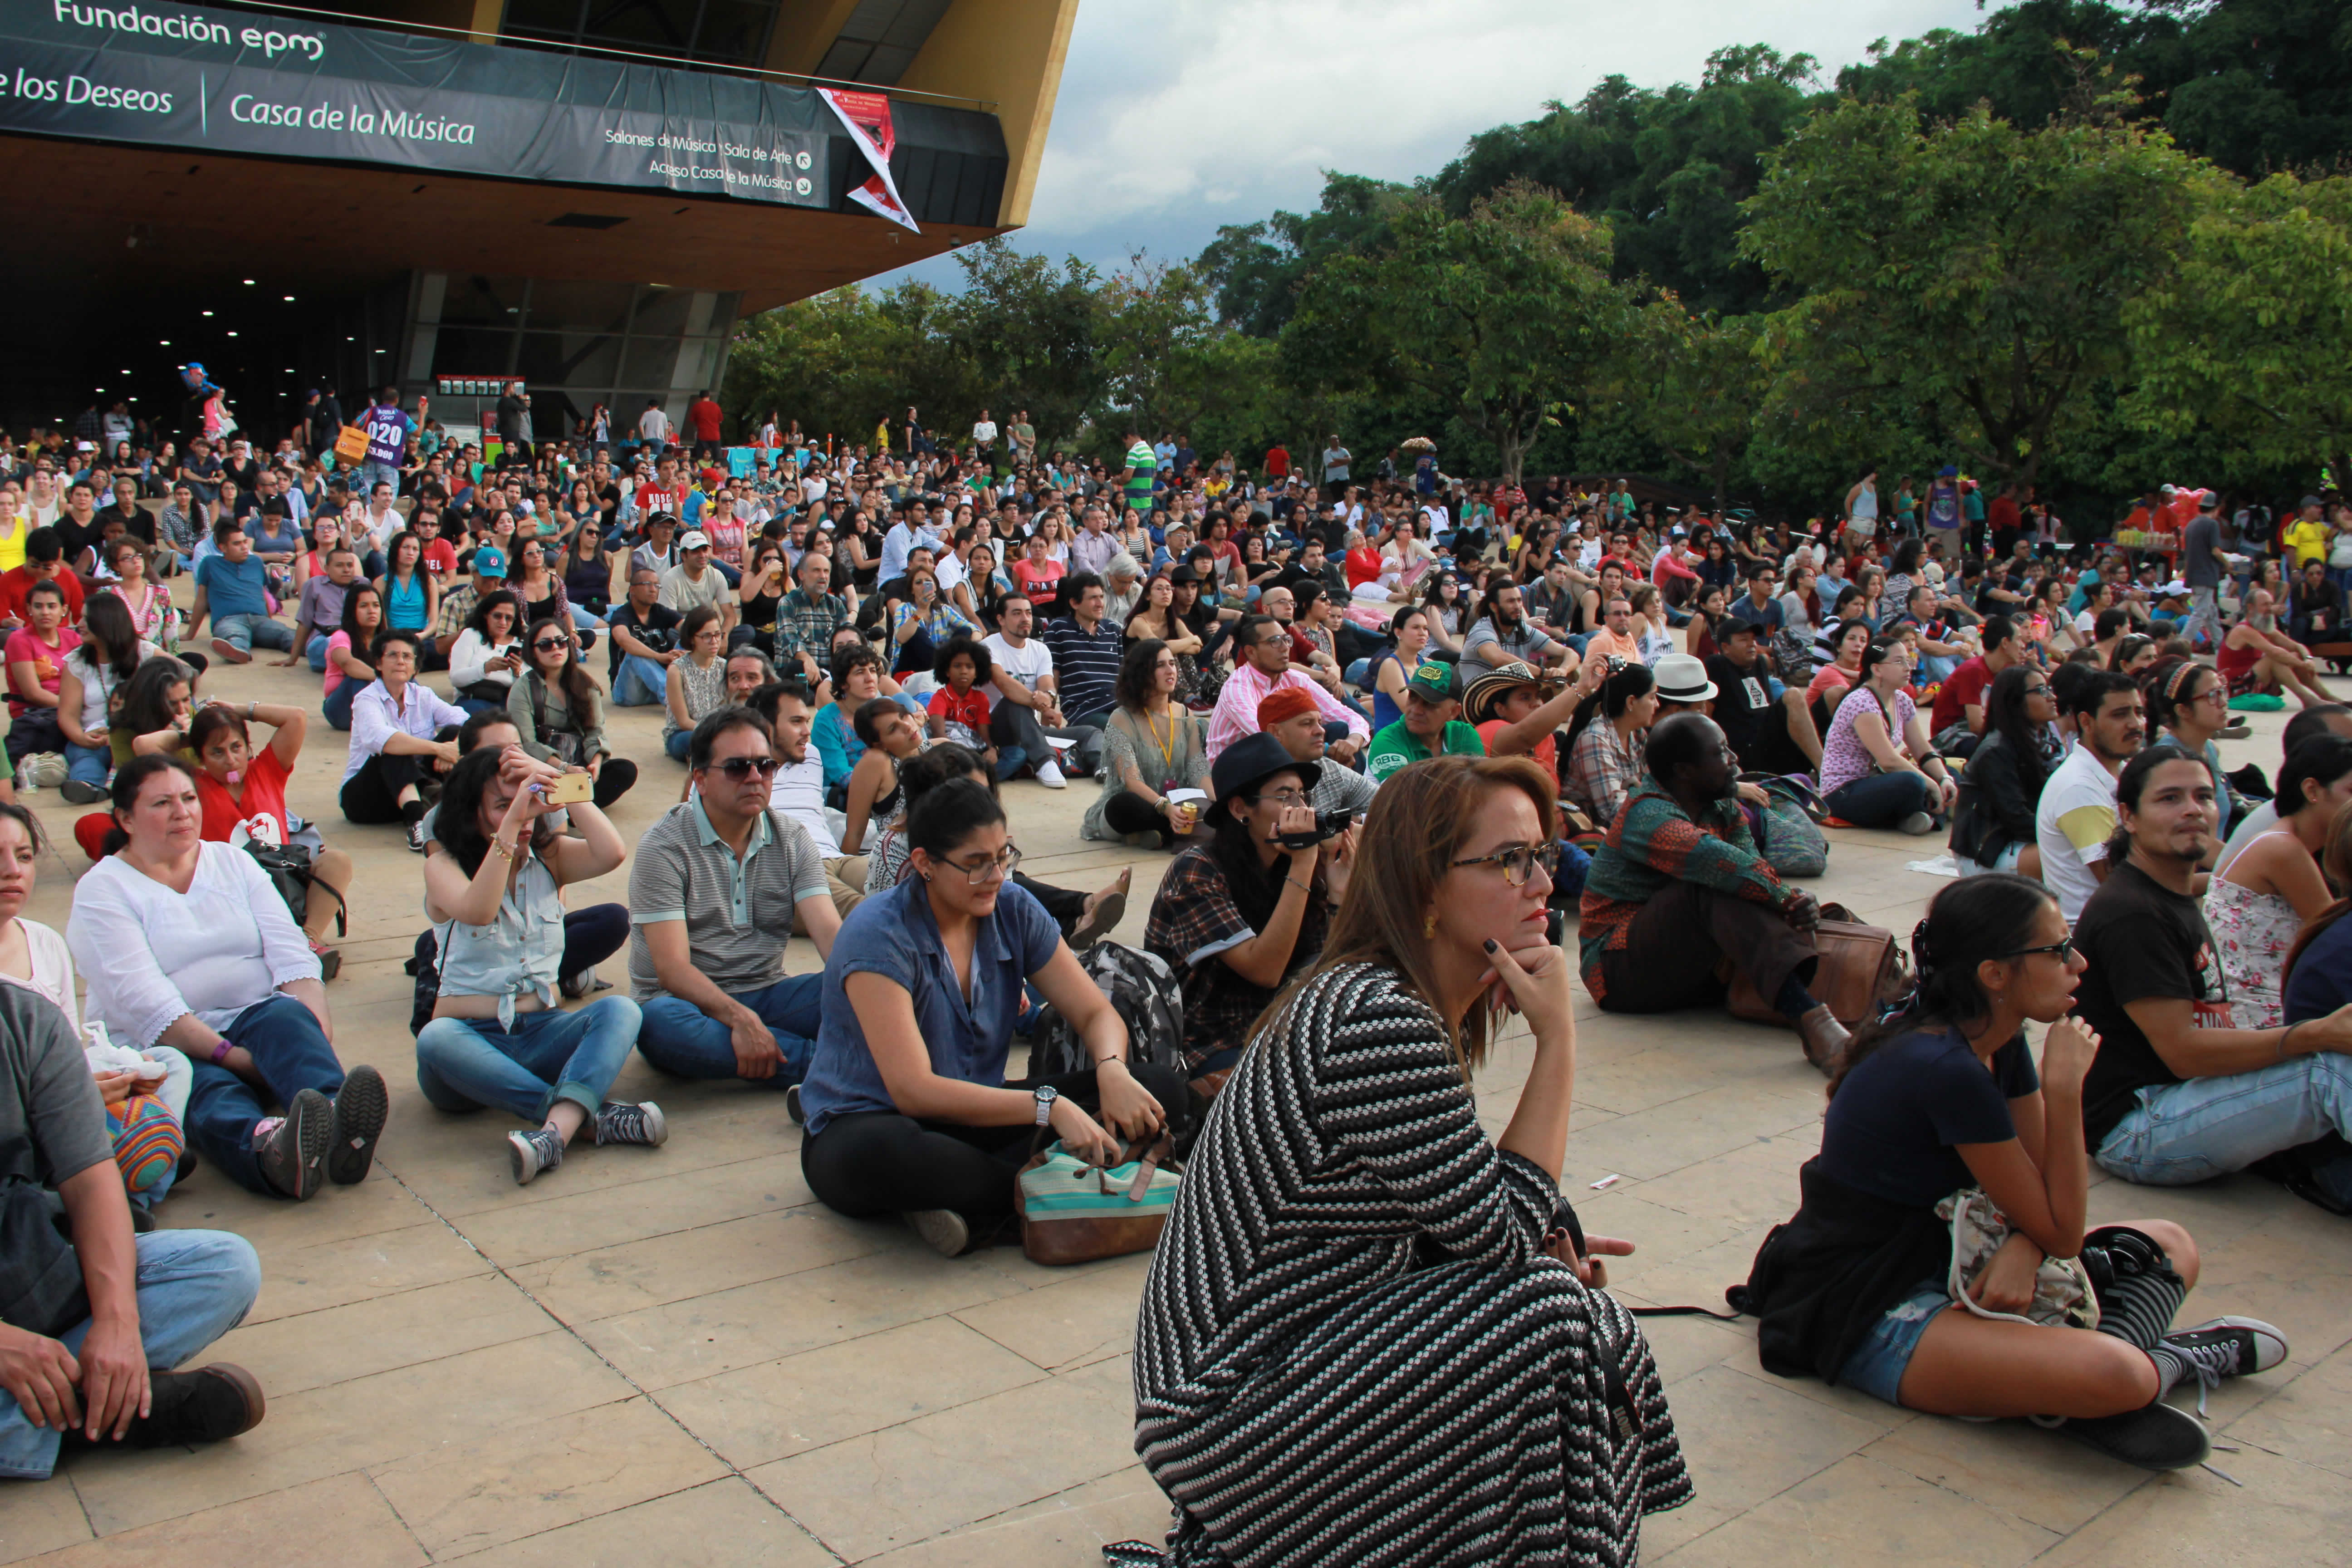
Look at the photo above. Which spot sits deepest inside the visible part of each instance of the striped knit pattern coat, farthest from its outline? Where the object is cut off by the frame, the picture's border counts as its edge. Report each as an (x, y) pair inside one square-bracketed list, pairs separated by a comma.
[(1351, 1349)]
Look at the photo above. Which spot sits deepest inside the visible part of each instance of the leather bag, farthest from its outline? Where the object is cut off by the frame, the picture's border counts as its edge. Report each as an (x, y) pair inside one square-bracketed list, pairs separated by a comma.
[(1071, 1211), (1859, 971)]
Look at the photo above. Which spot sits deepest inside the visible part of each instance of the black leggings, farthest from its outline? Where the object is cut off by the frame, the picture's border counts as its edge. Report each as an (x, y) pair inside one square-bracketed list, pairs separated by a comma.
[(614, 781), (1128, 812), (878, 1163), (371, 795)]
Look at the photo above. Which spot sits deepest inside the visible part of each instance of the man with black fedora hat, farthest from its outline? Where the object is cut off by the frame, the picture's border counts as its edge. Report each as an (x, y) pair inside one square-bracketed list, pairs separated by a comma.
[(1237, 917)]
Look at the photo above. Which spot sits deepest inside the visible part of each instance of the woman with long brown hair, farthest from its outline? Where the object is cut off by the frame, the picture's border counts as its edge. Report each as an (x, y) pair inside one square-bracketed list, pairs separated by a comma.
[(1294, 1352)]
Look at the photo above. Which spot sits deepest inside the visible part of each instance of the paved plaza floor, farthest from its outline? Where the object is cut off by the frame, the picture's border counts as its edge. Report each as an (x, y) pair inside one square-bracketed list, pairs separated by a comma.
[(678, 1356)]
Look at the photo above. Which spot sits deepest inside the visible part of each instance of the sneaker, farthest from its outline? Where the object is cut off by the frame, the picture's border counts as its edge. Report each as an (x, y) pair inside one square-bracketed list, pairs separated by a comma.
[(533, 1152), (1917, 823), (793, 1105), (206, 1406), (1049, 773), (360, 1109), (292, 1148), (416, 836), (77, 793), (576, 984), (942, 1230), (2236, 732), (2155, 1437), (619, 1122), (2226, 1347), (229, 653)]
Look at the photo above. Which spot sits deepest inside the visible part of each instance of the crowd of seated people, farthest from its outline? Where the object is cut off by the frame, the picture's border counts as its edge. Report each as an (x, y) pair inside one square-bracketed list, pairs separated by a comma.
[(1278, 685)]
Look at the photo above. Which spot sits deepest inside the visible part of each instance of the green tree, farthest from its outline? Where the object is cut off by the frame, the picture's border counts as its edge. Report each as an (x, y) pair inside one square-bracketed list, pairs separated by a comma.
[(1029, 331), (1975, 269), (1255, 270), (1498, 314), (2248, 335), (1692, 383)]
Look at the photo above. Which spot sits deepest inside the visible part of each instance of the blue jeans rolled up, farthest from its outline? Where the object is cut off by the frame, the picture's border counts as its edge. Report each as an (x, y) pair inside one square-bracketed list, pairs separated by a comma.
[(465, 1064)]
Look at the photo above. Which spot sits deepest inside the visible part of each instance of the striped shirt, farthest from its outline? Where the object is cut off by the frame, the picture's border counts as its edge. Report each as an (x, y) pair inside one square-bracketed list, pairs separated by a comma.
[(738, 914), (1086, 667), (1142, 466)]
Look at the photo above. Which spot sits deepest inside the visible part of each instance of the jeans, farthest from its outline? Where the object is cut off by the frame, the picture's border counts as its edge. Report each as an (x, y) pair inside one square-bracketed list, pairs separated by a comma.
[(338, 704), (371, 472), (246, 633), (678, 743), (316, 652), (680, 1038), (2208, 1126), (292, 1054), (1882, 800), (464, 1063), (88, 763), (2205, 611), (192, 1287), (640, 682), (1014, 725), (583, 621)]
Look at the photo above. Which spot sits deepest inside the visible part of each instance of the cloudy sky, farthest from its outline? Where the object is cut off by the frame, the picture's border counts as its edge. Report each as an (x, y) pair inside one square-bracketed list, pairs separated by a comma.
[(1176, 116)]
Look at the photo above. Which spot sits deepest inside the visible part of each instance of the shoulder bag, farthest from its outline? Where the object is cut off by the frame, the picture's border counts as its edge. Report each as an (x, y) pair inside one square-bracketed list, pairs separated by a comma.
[(1071, 1211)]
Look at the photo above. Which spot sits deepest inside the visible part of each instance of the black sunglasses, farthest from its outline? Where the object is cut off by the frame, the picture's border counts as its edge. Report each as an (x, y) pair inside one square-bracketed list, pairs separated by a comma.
[(544, 643), (2064, 950), (741, 768)]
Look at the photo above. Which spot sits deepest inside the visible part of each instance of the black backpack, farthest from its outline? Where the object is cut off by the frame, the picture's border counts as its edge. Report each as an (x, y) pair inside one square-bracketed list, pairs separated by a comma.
[(1149, 1000)]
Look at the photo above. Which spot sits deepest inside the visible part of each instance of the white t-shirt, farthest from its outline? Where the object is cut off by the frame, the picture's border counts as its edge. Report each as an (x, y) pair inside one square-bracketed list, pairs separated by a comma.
[(799, 792), (985, 432), (1028, 664), (2076, 813)]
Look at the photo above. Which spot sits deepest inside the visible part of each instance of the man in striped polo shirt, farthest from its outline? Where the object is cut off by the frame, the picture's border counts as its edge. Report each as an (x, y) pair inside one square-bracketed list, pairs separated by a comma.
[(1141, 465), (1086, 648), (712, 895)]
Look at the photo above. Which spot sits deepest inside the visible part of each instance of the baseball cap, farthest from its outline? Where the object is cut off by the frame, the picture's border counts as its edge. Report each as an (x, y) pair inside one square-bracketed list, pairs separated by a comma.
[(1732, 625), (694, 540), (489, 561), (1433, 678)]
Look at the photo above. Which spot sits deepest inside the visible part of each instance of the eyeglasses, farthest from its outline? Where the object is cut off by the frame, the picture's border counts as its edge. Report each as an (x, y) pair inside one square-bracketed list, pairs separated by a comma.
[(1286, 798), (738, 769), (2064, 950), (1518, 861), (545, 644), (1003, 862)]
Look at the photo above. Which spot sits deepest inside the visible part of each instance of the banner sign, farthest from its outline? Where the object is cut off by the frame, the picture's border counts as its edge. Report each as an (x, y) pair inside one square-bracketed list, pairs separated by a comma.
[(232, 81), (867, 117)]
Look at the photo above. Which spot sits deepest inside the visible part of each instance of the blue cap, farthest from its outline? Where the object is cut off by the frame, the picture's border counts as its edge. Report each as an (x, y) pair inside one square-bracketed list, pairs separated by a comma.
[(489, 561)]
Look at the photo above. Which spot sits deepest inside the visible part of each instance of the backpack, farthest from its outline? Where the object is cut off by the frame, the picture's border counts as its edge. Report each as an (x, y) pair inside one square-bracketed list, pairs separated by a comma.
[(1787, 828), (1143, 991)]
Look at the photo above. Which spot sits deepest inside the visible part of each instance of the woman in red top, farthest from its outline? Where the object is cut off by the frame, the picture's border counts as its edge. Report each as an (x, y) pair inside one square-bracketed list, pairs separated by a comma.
[(1036, 572), (959, 707), (242, 793)]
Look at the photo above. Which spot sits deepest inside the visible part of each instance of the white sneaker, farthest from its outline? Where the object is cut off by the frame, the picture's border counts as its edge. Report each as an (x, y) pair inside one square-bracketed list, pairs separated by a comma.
[(1049, 773)]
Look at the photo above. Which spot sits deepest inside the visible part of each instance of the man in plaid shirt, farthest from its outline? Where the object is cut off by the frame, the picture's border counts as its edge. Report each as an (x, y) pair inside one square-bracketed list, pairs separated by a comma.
[(807, 619), (1679, 888)]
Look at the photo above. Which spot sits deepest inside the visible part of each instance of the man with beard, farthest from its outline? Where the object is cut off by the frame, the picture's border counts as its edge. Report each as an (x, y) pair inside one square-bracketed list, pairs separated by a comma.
[(1679, 887), (1503, 634), (2078, 811)]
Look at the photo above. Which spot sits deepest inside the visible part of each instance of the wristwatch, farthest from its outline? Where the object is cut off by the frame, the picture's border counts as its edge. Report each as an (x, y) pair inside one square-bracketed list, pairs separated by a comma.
[(1046, 1095)]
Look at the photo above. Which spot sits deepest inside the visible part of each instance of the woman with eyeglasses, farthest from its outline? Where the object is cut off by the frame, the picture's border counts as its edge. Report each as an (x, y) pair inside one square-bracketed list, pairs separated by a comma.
[(1238, 916), (559, 714), (1364, 1294), (2189, 702), (906, 1102), (1992, 816), (1943, 1096)]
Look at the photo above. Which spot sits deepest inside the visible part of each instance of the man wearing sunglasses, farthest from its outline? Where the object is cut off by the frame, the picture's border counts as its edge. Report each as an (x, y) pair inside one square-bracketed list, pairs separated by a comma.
[(716, 886), (1678, 887)]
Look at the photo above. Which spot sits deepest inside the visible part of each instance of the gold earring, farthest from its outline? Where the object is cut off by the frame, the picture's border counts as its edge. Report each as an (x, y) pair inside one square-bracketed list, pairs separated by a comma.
[(1429, 925)]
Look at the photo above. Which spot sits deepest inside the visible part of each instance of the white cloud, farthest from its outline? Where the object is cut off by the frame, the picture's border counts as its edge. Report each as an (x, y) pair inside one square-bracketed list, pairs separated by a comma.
[(1176, 116)]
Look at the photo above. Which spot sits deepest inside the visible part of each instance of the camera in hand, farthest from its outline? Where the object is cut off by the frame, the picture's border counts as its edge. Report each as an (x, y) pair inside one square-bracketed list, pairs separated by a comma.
[(1327, 824)]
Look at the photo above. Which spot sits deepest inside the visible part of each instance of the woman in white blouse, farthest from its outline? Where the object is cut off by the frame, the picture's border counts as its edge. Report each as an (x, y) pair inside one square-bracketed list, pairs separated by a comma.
[(185, 943), (487, 654)]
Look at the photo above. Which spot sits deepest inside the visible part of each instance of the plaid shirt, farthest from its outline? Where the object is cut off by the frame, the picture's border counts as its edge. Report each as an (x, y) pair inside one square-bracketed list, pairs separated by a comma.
[(455, 605), (806, 625), (1653, 843), (1194, 919), (1604, 770)]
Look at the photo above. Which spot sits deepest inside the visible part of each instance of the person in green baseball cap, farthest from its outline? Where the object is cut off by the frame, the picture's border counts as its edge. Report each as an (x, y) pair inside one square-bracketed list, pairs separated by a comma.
[(1428, 727)]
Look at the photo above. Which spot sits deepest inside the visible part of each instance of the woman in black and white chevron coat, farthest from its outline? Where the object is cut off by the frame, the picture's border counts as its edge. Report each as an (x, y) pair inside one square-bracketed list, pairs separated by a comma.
[(1363, 1339)]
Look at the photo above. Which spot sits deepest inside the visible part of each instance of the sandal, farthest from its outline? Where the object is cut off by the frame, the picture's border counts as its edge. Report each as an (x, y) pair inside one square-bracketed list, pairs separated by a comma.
[(1110, 904), (331, 962)]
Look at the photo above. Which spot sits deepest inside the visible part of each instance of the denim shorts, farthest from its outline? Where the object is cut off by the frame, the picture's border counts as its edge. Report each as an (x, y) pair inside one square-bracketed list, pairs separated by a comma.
[(1878, 1364)]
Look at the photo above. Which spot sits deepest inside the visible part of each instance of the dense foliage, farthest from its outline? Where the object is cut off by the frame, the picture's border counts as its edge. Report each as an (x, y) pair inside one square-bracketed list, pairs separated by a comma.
[(2088, 245)]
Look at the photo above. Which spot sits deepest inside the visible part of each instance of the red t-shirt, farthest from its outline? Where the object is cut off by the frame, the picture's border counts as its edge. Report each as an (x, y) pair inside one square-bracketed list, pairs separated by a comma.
[(1962, 687), (23, 647), (1035, 578), (1277, 463), (703, 415), (441, 558), (1546, 752), (263, 815), (17, 580), (971, 709), (652, 498)]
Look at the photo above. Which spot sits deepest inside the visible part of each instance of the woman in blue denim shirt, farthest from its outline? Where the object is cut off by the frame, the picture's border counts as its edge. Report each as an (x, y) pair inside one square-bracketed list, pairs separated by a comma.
[(906, 1099)]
